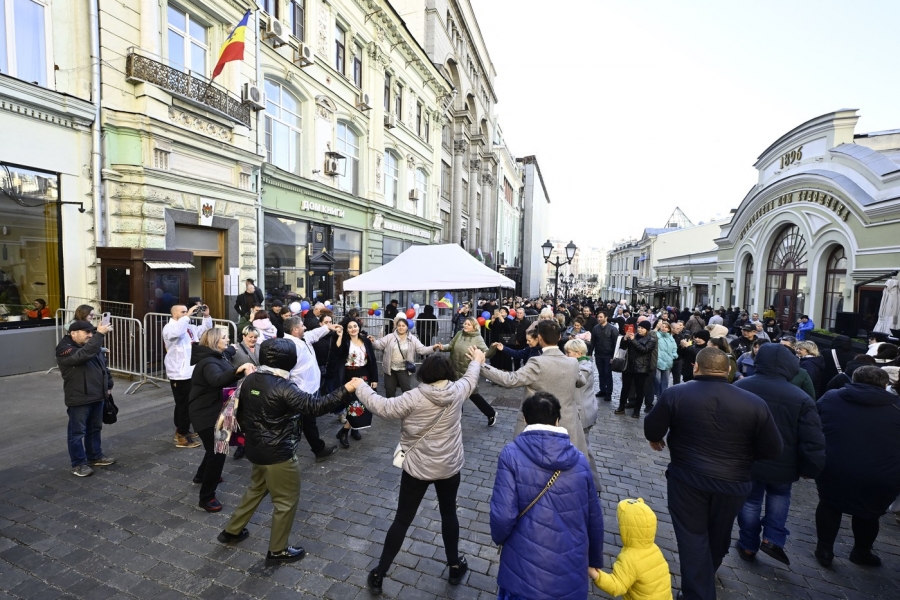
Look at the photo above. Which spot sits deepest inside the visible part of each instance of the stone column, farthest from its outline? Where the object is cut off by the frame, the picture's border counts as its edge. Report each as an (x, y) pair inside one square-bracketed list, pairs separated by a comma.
[(488, 210), (460, 147), (474, 176)]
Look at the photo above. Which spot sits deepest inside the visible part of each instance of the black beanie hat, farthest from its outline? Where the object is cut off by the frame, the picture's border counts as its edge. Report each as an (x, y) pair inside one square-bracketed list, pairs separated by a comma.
[(703, 335)]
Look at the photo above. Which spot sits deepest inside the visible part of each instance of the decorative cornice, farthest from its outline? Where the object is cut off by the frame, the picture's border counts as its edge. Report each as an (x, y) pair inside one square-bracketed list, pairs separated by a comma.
[(474, 165), (487, 179), (460, 146), (33, 101)]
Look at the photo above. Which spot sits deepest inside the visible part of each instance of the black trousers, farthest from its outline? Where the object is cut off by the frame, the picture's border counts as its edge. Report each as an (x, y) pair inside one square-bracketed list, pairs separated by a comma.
[(636, 383), (210, 469), (311, 433), (676, 371), (482, 404), (702, 522), (181, 389), (828, 522), (412, 491)]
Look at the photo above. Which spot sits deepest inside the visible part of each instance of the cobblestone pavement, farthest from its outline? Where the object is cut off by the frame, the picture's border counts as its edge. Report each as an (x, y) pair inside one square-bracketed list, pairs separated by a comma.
[(134, 530)]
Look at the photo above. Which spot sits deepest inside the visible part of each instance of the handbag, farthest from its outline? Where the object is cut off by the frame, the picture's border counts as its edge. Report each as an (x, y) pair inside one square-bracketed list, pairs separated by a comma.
[(400, 453), (617, 363), (533, 502), (110, 410), (410, 366)]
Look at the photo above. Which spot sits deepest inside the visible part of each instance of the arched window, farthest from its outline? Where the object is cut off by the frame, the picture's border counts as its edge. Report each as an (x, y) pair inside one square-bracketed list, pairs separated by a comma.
[(391, 177), (786, 275), (422, 187), (283, 128), (835, 276), (748, 281), (348, 145)]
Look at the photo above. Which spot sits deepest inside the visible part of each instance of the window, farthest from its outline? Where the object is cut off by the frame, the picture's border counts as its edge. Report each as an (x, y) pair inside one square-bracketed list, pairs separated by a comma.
[(23, 40), (387, 93), (187, 41), (296, 18), (340, 39), (507, 191), (835, 277), (398, 102), (267, 6), (445, 226), (786, 275), (445, 136), (348, 145), (637, 263), (30, 267), (422, 187), (283, 128), (391, 248), (347, 255), (419, 119), (478, 205), (391, 178), (465, 196), (427, 136), (357, 66), (748, 281), (446, 180)]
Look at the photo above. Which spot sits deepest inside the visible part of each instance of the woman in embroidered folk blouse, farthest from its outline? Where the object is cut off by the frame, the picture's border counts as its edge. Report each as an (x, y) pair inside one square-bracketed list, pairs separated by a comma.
[(355, 357), (399, 347)]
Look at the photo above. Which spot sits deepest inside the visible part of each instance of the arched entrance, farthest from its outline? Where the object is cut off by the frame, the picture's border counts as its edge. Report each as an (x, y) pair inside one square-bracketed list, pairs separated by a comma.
[(786, 275)]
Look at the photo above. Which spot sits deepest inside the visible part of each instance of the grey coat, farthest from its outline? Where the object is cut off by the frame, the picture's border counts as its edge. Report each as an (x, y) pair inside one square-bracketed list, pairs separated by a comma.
[(440, 453), (391, 343), (242, 357), (560, 375)]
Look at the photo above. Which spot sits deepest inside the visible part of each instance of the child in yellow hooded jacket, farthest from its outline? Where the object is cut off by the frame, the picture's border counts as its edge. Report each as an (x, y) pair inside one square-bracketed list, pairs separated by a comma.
[(641, 571)]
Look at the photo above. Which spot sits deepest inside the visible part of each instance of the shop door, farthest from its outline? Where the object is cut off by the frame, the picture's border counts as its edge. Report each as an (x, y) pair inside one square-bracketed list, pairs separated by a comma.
[(320, 286), (212, 285), (786, 308)]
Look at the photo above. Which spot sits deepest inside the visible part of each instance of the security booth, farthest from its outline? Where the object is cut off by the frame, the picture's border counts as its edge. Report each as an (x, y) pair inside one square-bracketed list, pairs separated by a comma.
[(152, 280)]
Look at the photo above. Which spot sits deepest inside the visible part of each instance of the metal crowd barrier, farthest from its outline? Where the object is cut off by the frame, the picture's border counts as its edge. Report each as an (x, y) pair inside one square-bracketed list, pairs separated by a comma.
[(124, 344)]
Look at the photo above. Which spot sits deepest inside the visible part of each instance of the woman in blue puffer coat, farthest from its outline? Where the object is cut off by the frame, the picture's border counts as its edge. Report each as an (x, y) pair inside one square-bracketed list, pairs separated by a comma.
[(666, 353), (547, 550)]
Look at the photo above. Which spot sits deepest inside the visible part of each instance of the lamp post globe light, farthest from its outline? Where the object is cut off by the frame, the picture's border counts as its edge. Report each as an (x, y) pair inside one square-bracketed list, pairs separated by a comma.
[(547, 249)]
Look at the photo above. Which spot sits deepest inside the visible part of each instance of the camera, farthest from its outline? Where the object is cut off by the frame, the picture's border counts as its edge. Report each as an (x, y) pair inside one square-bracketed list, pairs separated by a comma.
[(203, 308)]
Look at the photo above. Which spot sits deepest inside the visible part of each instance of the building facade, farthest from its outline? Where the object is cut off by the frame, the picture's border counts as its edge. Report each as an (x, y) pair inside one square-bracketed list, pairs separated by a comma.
[(509, 212), (47, 204), (817, 235), (535, 227)]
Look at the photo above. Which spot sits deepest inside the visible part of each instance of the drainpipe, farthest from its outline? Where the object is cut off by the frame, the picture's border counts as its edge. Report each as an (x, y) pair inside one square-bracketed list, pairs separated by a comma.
[(96, 150), (260, 217)]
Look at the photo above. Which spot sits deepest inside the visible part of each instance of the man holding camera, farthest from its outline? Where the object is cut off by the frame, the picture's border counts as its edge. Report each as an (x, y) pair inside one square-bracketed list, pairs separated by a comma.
[(178, 335)]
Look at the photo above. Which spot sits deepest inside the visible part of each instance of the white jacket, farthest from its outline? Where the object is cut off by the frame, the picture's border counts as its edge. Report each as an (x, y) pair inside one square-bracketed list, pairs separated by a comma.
[(178, 335), (589, 404)]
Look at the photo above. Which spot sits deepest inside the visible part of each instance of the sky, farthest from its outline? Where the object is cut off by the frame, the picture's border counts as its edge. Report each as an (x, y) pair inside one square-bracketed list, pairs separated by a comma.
[(634, 108)]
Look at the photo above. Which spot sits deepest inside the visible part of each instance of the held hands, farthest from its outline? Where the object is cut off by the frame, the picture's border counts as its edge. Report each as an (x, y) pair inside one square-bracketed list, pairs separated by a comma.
[(658, 446), (246, 369), (498, 346), (475, 354), (593, 573), (438, 347)]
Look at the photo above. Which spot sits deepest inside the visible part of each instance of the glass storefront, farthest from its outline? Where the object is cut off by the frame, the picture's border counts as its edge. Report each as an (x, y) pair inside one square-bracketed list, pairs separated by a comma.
[(30, 267), (292, 273)]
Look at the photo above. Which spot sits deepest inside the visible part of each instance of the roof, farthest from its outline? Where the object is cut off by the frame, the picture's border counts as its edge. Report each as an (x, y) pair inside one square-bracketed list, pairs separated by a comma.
[(440, 267)]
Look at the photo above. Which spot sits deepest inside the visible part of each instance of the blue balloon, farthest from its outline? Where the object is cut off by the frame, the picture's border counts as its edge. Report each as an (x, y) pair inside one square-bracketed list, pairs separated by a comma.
[(304, 305), (378, 313), (510, 317), (410, 323), (486, 316)]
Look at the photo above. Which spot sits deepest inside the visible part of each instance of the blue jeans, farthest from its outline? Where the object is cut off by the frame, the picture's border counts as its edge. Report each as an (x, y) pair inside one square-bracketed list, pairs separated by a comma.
[(661, 382), (605, 373), (772, 525), (85, 423)]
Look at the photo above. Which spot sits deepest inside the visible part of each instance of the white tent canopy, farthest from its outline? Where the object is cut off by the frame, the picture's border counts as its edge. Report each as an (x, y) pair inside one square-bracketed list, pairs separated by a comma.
[(444, 267)]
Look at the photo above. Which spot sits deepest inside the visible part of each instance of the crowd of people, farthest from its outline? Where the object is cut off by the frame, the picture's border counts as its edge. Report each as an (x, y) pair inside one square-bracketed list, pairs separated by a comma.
[(745, 409)]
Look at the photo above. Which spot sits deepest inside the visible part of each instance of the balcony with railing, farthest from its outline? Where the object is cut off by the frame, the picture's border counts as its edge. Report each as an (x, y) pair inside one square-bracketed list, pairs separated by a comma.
[(188, 86)]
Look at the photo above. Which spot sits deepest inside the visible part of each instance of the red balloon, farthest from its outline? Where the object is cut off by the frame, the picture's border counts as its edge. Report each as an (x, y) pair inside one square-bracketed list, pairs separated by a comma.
[(410, 313), (481, 321), (304, 312), (371, 311)]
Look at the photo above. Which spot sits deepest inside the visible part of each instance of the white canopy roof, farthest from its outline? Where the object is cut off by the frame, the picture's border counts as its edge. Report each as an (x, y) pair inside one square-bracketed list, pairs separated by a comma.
[(444, 267)]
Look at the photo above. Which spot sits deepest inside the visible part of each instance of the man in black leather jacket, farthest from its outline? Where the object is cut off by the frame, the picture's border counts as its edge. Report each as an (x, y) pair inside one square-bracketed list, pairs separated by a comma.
[(715, 432), (269, 409)]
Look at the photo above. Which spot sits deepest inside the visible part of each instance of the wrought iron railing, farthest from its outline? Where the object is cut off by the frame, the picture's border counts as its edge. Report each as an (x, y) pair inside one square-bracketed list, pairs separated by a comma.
[(187, 85)]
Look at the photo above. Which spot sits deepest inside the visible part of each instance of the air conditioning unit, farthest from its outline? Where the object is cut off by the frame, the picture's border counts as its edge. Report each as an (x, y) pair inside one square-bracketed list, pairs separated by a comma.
[(362, 101), (275, 31), (389, 121), (304, 55), (252, 95), (414, 195), (331, 167)]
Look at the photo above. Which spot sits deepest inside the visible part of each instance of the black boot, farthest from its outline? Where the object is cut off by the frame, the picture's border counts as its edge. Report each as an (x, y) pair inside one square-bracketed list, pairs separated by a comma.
[(342, 437), (355, 434)]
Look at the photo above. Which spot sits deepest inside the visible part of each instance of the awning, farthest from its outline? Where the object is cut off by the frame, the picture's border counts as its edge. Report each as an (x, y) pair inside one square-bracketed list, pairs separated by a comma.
[(161, 264)]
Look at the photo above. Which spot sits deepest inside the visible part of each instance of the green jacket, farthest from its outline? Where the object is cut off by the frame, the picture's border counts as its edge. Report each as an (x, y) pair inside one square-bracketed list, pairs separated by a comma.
[(459, 347), (804, 382)]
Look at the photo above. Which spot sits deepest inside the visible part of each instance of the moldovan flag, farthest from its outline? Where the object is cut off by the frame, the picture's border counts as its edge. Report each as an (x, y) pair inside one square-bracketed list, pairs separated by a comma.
[(233, 48), (446, 301)]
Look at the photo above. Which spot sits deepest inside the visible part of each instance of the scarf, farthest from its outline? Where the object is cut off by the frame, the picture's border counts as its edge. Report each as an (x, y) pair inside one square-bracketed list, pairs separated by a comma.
[(273, 371)]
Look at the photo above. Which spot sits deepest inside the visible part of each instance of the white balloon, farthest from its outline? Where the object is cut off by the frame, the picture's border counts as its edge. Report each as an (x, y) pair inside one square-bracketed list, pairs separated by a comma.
[(416, 307), (295, 307)]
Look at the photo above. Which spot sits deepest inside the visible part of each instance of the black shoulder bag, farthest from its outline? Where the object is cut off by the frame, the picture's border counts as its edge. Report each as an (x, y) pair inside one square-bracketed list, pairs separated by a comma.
[(410, 366)]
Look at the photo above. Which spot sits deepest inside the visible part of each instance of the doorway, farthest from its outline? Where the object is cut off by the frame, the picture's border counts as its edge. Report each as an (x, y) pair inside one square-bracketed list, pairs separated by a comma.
[(211, 286), (207, 278)]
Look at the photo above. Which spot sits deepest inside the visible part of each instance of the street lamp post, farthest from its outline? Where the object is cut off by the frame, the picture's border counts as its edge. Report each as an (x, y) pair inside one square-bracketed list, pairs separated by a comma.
[(570, 280), (547, 249)]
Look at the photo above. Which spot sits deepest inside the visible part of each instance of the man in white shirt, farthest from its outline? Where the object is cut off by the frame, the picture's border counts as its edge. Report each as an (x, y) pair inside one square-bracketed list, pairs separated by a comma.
[(178, 336), (307, 376)]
